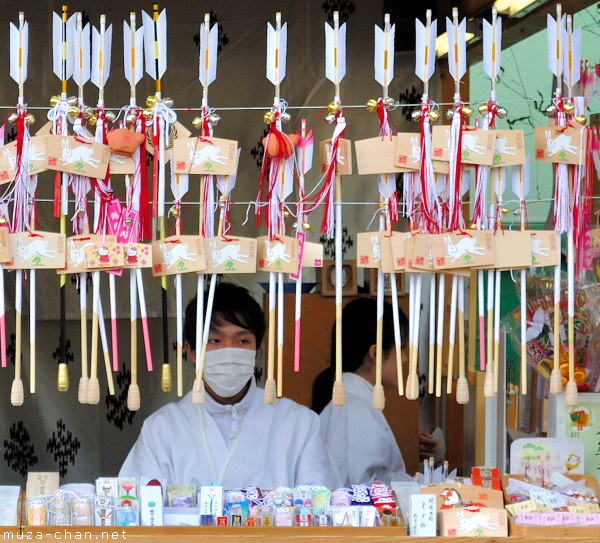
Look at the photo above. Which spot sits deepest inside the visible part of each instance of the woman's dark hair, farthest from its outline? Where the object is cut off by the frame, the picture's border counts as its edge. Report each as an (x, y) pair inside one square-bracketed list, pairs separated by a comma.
[(359, 332), (233, 304)]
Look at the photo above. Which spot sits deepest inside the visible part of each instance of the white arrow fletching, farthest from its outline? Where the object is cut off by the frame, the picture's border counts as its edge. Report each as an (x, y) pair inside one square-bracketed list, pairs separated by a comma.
[(101, 54), (384, 56), (335, 53), (18, 61), (57, 48), (386, 185), (304, 158), (425, 50), (572, 58), (226, 183), (276, 53), (208, 54), (457, 49), (492, 44), (556, 46), (160, 47), (133, 53), (184, 183), (80, 52)]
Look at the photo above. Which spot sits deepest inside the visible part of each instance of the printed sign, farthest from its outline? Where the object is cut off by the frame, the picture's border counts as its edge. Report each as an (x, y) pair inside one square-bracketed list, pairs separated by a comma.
[(103, 254), (178, 254), (137, 255), (544, 248), (509, 148), (368, 250), (344, 156), (277, 255), (408, 150), (231, 255), (176, 132), (559, 144), (75, 155), (512, 249), (422, 257), (36, 250), (398, 247), (75, 254), (477, 145), (462, 249), (4, 251), (376, 155), (36, 156), (213, 156), (121, 164)]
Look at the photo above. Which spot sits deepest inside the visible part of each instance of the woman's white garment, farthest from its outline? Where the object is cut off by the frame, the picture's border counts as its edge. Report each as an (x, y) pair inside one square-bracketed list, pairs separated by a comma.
[(360, 441), (249, 443)]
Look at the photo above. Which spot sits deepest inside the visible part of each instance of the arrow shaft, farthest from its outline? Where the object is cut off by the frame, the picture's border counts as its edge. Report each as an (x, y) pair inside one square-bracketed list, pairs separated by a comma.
[(63, 52), (133, 65), (156, 49)]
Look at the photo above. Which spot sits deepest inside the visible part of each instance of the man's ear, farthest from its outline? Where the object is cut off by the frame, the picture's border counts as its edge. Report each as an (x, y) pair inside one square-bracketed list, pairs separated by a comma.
[(191, 353), (372, 354), (258, 351)]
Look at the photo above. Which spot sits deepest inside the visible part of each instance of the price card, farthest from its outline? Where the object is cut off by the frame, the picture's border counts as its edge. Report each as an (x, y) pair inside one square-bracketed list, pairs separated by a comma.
[(527, 506), (551, 519), (550, 499), (422, 515), (528, 518), (589, 519)]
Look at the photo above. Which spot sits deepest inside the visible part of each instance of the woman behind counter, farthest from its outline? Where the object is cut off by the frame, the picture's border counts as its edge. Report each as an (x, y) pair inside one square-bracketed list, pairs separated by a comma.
[(360, 440)]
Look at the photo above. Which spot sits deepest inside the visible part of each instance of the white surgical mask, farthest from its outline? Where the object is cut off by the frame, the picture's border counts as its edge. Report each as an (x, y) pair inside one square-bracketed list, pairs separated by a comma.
[(226, 371)]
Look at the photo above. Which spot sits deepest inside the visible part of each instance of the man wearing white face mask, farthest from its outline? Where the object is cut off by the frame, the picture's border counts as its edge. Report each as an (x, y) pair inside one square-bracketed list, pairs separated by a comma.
[(234, 438)]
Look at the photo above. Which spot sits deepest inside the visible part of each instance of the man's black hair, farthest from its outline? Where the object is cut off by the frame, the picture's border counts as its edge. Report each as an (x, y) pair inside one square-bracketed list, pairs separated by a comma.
[(233, 304)]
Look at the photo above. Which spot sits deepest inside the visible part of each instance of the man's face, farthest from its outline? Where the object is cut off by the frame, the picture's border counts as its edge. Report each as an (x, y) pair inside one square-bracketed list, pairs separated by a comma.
[(224, 334)]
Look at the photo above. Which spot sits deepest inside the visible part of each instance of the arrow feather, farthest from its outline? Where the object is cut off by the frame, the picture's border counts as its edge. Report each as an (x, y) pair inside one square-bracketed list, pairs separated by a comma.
[(149, 46), (571, 66), (276, 54), (384, 57), (208, 54), (335, 53), (18, 70), (425, 50), (137, 53), (80, 53), (101, 50), (492, 44), (556, 47), (457, 48), (228, 182)]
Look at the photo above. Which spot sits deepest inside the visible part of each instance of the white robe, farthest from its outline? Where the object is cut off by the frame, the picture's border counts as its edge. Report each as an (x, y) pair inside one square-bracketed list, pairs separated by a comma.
[(360, 441), (250, 444)]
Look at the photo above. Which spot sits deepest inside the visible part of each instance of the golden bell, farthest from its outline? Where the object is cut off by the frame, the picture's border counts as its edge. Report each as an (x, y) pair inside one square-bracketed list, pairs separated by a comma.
[(110, 116), (269, 117), (166, 383), (434, 115), (54, 100), (551, 110), (581, 119), (72, 100), (501, 113), (29, 119), (148, 114), (285, 117), (504, 211), (569, 108), (333, 108), (306, 225), (151, 101), (62, 381), (416, 115), (197, 123), (329, 118), (73, 112), (168, 102), (371, 105), (389, 102), (3, 220), (483, 109), (214, 119), (473, 226), (12, 118), (467, 111), (175, 213), (131, 118), (449, 114), (93, 120)]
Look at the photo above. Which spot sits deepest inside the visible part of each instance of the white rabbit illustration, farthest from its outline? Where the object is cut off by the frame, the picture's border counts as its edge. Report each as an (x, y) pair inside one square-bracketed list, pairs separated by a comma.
[(76, 254), (33, 155), (415, 151), (228, 252), (537, 249), (180, 251), (340, 158), (208, 153), (12, 159), (116, 158), (36, 247), (81, 153), (561, 142), (500, 147), (277, 252), (465, 245), (478, 520), (375, 248), (470, 143)]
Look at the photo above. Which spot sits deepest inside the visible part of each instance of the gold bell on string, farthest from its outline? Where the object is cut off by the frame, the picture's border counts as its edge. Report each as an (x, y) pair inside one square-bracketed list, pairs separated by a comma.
[(73, 112), (467, 111), (389, 102), (12, 118), (415, 115), (371, 105), (501, 113), (581, 119), (214, 119), (148, 114), (569, 108), (54, 100), (483, 109), (269, 117), (551, 110), (285, 117), (29, 119), (306, 225), (168, 102), (151, 101), (197, 123), (434, 115), (473, 226), (93, 120), (286, 213), (449, 114), (166, 383), (333, 108), (62, 380), (110, 116)]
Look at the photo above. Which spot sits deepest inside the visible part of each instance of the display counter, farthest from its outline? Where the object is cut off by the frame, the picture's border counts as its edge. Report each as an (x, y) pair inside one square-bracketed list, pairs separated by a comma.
[(179, 534)]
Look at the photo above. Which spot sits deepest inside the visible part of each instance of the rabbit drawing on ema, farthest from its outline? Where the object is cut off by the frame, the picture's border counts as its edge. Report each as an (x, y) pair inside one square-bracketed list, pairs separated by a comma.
[(465, 245)]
